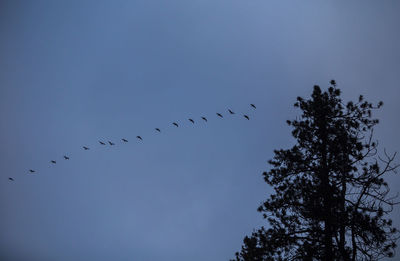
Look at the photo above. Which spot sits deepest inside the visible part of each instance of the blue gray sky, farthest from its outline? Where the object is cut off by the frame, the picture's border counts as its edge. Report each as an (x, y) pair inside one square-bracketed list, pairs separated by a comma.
[(75, 72)]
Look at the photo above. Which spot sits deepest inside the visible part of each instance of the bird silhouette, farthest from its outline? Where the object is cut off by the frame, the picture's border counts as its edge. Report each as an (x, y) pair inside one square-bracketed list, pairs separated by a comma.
[(157, 129), (11, 179)]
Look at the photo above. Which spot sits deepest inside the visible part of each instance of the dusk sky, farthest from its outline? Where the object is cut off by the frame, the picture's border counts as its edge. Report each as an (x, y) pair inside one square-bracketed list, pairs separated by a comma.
[(76, 72)]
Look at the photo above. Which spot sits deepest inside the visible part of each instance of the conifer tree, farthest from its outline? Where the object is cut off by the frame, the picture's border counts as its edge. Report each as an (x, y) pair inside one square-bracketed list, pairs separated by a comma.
[(330, 199)]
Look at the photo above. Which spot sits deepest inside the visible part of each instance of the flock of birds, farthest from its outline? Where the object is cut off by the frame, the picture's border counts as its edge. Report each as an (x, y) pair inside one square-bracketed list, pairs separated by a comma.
[(140, 138)]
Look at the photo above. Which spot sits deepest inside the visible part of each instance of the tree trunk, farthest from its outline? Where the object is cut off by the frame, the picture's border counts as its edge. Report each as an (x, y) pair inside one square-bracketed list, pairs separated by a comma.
[(328, 253)]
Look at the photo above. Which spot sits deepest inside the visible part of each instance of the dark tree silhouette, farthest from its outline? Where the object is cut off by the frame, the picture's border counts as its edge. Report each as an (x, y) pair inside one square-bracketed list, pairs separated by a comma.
[(330, 200)]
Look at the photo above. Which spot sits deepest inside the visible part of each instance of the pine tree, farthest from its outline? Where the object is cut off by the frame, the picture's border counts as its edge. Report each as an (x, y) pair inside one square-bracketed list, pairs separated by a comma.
[(330, 200)]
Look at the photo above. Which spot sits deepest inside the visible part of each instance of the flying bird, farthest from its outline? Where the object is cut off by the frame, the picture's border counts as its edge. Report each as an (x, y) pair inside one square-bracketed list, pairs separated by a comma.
[(204, 118), (85, 148), (231, 112), (65, 157), (31, 171), (191, 120), (124, 140), (53, 161), (140, 138), (102, 143), (252, 105), (11, 179), (247, 117), (176, 124), (109, 142), (220, 115), (157, 129)]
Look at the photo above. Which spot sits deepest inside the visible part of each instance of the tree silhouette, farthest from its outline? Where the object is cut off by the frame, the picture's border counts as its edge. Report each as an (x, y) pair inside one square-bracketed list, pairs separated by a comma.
[(330, 200)]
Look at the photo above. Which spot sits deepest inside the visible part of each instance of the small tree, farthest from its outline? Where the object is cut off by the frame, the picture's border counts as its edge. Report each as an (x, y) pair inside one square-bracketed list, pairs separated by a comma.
[(331, 201)]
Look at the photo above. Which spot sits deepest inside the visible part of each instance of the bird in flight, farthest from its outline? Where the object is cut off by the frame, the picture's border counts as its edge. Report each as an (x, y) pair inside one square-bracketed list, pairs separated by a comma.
[(176, 124), (220, 115), (191, 120), (85, 148), (31, 171), (231, 112), (109, 142), (247, 117), (102, 143), (53, 161), (157, 129), (65, 157), (204, 118), (11, 179), (252, 105), (124, 140), (140, 138)]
